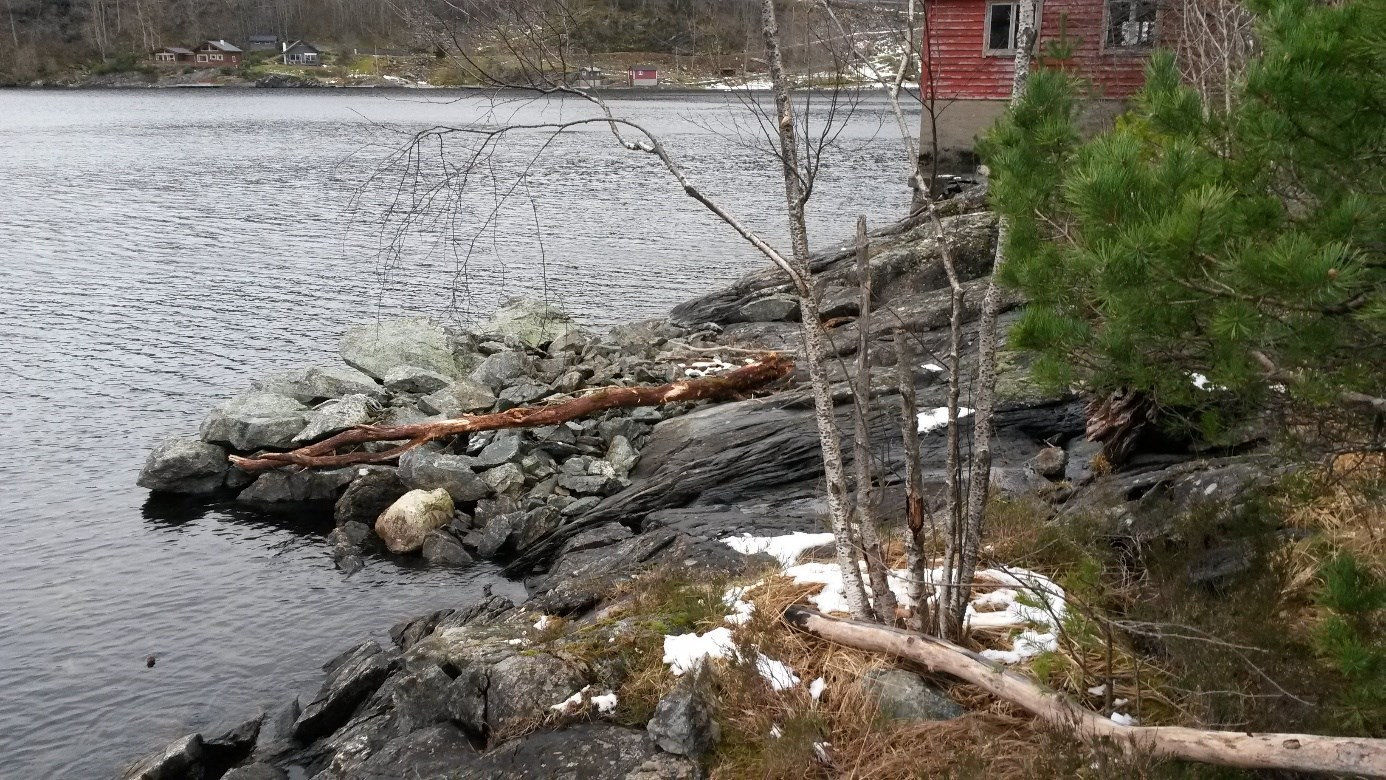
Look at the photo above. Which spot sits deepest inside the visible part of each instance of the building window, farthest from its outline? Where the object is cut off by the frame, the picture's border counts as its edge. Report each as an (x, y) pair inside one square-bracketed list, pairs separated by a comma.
[(164, 57), (216, 58), (201, 58), (1002, 19), (1130, 24)]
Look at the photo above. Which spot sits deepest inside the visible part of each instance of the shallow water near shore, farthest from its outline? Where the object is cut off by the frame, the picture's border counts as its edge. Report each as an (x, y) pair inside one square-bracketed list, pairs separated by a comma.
[(160, 249)]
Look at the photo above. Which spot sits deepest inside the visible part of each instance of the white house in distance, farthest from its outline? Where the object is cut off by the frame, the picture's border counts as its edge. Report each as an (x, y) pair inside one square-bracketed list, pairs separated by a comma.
[(301, 53), (644, 76)]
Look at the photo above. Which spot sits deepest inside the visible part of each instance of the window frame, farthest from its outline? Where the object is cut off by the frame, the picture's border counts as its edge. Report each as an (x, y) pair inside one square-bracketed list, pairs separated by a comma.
[(1009, 51), (1135, 49)]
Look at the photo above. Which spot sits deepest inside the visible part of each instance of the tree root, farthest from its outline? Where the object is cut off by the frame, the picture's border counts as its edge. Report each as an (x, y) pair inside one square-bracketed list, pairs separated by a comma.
[(323, 454)]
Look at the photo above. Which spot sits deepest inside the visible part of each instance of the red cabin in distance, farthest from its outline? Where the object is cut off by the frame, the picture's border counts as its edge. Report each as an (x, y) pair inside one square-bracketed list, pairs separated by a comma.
[(969, 56)]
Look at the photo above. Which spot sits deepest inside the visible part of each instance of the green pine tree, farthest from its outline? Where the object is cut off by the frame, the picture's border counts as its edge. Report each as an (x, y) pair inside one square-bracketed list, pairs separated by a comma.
[(1246, 248)]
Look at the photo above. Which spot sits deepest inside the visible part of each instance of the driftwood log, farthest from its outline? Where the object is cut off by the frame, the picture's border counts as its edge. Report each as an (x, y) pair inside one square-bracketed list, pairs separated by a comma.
[(1293, 752), (731, 385)]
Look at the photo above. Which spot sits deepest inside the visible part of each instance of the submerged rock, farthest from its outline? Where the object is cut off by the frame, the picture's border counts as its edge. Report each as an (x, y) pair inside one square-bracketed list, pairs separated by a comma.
[(181, 759), (276, 487), (405, 525), (376, 348), (255, 420), (444, 548), (184, 464), (370, 493), (351, 678)]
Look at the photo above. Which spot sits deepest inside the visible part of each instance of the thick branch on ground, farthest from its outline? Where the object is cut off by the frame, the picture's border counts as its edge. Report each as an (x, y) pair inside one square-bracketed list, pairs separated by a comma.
[(1292, 752), (323, 454)]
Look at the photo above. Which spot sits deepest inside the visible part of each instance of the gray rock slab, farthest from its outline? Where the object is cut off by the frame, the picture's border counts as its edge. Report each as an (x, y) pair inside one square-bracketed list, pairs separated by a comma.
[(181, 759), (426, 469), (318, 383), (377, 347), (535, 323), (586, 751), (277, 487), (412, 379), (501, 370), (463, 396), (350, 682), (254, 421), (184, 464), (440, 752), (338, 415), (368, 495), (683, 722), (443, 548), (257, 771), (773, 308), (904, 695)]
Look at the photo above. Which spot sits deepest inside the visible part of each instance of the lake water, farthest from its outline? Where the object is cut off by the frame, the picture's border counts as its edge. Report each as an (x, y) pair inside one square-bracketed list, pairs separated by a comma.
[(160, 249)]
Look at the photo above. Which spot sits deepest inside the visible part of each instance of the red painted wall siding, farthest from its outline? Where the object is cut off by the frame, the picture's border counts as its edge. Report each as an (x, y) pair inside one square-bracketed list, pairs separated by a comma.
[(961, 70)]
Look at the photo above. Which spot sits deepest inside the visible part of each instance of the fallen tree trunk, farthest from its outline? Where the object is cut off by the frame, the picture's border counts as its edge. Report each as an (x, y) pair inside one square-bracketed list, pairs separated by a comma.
[(323, 454), (1294, 752)]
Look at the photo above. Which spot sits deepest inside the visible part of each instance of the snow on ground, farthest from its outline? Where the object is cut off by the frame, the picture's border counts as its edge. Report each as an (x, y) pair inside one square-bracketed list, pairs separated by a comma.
[(937, 418), (934, 367), (785, 549), (684, 652), (741, 610), (704, 368), (1122, 719), (604, 703), (817, 687), (775, 672), (1029, 602), (543, 623)]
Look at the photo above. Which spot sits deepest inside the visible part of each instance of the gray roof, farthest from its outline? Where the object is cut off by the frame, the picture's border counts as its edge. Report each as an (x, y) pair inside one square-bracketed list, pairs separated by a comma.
[(264, 39), (303, 44), (224, 46), (177, 50)]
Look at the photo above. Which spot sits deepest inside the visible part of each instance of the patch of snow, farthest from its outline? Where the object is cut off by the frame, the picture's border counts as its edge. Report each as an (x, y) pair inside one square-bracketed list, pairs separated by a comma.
[(1211, 489), (817, 687), (1098, 690), (543, 623), (820, 749), (514, 641), (934, 367), (1122, 719), (1201, 382), (685, 652), (937, 418), (775, 731), (704, 368), (572, 702), (775, 672), (785, 549), (605, 703), (1119, 702)]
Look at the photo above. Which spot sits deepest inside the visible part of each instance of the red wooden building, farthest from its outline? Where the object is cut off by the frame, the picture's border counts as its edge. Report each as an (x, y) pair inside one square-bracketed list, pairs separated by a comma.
[(217, 54), (969, 54)]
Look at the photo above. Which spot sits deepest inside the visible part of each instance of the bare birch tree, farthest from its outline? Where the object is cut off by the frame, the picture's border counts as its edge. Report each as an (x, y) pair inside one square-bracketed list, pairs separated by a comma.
[(538, 55)]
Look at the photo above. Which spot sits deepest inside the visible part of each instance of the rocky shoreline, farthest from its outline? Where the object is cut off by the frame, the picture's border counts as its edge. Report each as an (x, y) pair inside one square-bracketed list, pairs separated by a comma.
[(581, 510)]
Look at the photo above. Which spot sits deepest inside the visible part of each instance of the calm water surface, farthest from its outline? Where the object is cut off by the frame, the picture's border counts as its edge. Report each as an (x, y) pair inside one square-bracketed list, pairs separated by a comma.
[(160, 249)]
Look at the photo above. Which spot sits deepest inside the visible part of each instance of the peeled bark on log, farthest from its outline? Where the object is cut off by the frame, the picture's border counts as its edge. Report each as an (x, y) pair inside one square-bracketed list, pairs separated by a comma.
[(1293, 752), (731, 385)]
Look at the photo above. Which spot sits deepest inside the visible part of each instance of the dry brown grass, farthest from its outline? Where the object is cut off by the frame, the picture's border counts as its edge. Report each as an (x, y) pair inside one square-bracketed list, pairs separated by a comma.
[(1344, 506), (994, 740)]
